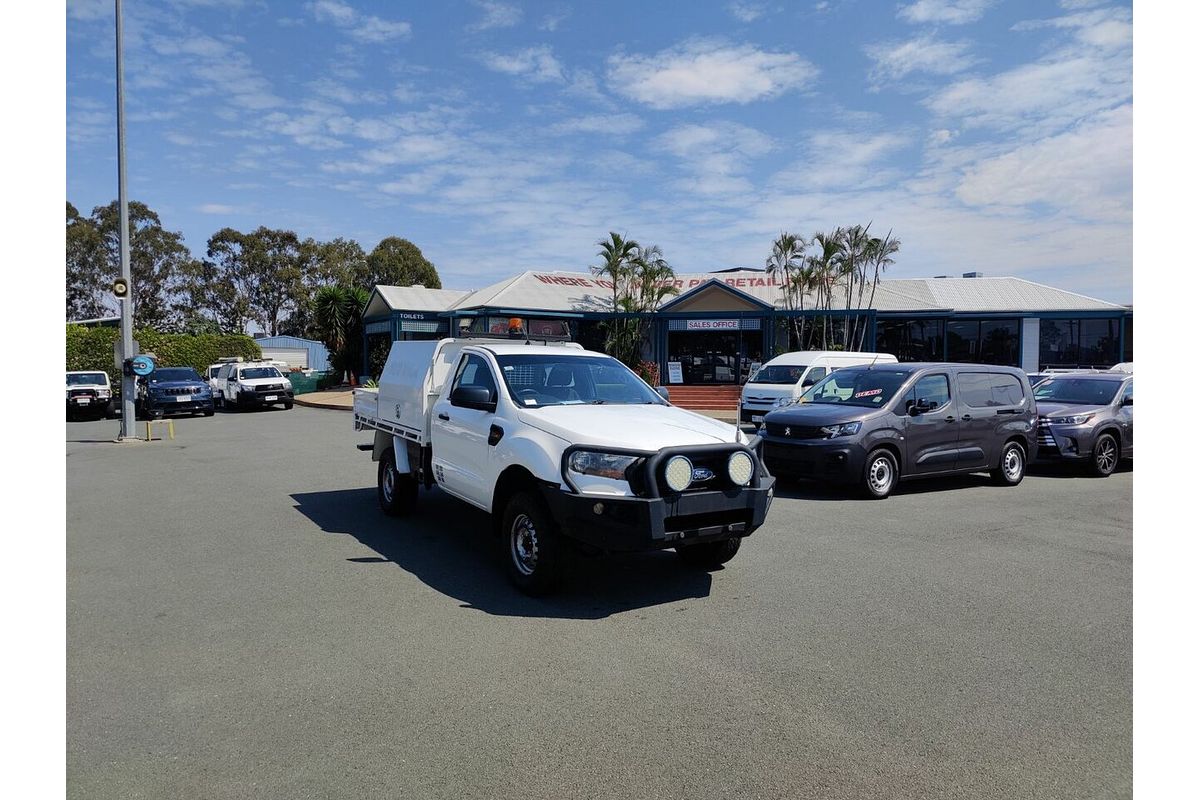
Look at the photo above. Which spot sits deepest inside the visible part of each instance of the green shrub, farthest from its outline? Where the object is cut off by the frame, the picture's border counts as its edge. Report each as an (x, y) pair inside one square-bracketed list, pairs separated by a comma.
[(92, 349)]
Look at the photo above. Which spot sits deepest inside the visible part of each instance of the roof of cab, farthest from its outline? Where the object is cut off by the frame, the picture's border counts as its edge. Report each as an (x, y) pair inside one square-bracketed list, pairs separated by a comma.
[(506, 349)]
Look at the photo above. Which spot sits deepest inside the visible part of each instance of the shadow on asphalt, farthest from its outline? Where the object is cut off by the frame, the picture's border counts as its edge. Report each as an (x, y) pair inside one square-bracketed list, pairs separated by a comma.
[(800, 489), (449, 546)]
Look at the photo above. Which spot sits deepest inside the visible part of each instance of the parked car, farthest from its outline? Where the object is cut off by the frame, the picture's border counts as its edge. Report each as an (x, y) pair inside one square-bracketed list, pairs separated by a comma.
[(89, 394), (173, 390), (874, 426), (253, 384), (785, 377), (1087, 419), (563, 447)]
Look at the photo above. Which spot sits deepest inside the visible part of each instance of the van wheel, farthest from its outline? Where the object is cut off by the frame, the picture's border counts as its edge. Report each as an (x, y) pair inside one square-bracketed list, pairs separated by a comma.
[(879, 474), (397, 492), (709, 555), (532, 545), (1012, 466), (1104, 456)]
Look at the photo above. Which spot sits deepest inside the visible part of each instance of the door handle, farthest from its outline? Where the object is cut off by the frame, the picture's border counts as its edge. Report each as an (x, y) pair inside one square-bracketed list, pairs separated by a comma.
[(966, 417), (950, 418), (444, 416)]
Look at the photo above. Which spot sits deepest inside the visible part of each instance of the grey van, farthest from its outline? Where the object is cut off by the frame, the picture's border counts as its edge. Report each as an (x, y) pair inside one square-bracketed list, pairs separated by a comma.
[(873, 426)]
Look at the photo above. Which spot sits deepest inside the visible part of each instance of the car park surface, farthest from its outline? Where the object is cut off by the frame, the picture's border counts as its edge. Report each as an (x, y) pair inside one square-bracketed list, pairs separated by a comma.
[(950, 642)]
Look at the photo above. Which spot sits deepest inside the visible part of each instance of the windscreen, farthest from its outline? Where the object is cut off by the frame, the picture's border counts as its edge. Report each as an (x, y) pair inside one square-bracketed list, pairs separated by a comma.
[(867, 388), (87, 379), (174, 374), (779, 373), (539, 380), (1076, 391), (259, 372)]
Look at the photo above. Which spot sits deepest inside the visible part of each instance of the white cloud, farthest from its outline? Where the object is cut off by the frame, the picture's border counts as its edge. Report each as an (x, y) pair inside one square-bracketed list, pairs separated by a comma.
[(747, 10), (1086, 172), (614, 124), (950, 12), (701, 72), (715, 156), (837, 159), (363, 27), (895, 60), (551, 21), (215, 208), (495, 15), (330, 89), (536, 64)]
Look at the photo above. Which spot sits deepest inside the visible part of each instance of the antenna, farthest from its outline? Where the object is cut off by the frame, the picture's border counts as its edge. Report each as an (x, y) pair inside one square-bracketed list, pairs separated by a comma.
[(873, 360)]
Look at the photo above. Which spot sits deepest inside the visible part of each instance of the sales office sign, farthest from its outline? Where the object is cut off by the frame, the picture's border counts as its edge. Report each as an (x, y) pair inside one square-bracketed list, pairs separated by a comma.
[(713, 324)]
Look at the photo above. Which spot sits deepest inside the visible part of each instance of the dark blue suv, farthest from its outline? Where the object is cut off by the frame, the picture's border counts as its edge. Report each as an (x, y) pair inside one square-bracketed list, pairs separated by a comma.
[(173, 390)]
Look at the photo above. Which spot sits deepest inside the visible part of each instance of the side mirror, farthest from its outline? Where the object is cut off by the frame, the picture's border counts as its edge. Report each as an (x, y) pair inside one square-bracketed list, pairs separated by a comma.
[(1128, 401), (476, 397), (663, 392), (808, 382)]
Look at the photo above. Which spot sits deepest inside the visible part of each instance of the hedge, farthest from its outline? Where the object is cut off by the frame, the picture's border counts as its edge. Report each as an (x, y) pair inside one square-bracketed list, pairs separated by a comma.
[(92, 349)]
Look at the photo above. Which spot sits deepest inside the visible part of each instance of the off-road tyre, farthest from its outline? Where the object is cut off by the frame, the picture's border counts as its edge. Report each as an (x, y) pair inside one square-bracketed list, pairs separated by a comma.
[(532, 545), (397, 491)]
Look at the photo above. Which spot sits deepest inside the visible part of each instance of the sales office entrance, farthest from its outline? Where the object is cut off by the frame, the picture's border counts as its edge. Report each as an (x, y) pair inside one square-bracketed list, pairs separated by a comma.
[(709, 348)]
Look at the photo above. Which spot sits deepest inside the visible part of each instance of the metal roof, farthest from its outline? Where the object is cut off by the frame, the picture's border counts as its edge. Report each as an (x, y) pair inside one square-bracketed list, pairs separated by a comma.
[(582, 291)]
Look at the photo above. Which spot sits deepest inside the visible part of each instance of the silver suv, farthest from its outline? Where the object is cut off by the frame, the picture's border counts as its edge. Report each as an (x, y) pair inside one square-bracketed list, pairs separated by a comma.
[(1086, 418)]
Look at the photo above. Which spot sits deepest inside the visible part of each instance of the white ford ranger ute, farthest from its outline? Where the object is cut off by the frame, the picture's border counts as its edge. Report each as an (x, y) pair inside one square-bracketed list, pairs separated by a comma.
[(559, 445)]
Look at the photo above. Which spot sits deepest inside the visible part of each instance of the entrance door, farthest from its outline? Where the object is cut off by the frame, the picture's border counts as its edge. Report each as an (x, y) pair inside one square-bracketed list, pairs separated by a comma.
[(715, 357)]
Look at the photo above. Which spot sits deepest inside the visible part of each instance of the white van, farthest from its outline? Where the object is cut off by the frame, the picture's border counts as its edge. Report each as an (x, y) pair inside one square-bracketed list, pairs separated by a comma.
[(787, 376)]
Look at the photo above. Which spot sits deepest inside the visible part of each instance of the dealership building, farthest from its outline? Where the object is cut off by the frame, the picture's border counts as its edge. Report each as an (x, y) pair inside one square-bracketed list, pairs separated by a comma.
[(720, 325)]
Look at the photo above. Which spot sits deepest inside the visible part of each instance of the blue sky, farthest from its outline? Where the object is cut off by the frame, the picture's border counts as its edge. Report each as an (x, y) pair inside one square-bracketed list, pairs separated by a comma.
[(989, 135)]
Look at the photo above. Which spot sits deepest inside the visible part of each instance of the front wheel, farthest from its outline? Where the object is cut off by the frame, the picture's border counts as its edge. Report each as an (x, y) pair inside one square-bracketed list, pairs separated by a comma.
[(879, 474), (532, 545), (397, 492), (1104, 456), (1012, 466), (709, 555), (287, 406)]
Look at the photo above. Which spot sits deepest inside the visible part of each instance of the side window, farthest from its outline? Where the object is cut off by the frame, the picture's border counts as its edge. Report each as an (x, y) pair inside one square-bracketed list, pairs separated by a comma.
[(1006, 391), (975, 389), (475, 372), (933, 391), (1127, 393), (814, 376)]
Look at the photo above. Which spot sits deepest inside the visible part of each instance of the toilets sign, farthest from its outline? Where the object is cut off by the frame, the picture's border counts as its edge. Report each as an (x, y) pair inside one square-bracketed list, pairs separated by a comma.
[(713, 324)]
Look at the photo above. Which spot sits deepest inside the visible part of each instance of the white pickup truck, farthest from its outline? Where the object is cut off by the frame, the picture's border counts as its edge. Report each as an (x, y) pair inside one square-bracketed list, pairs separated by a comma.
[(560, 445)]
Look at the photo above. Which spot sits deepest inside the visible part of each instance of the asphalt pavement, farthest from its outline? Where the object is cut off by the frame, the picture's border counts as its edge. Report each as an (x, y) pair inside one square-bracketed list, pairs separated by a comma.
[(243, 622)]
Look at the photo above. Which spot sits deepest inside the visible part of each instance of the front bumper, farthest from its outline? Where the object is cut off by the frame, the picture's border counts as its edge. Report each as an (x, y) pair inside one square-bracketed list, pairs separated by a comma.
[(615, 523), (747, 413), (833, 460), (169, 405), (90, 405), (258, 400), (1064, 442)]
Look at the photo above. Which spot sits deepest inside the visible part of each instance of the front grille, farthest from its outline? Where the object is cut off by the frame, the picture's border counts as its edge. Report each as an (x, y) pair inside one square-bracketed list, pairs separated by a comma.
[(1046, 443), (795, 431), (275, 387), (183, 390), (717, 463), (83, 393)]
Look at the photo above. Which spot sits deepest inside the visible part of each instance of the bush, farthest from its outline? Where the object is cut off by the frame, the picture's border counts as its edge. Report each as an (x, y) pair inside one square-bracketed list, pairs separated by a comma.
[(648, 371), (92, 349)]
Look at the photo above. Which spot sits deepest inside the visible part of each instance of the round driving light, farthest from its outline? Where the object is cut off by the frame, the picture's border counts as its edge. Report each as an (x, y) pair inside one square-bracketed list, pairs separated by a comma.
[(679, 473), (741, 468)]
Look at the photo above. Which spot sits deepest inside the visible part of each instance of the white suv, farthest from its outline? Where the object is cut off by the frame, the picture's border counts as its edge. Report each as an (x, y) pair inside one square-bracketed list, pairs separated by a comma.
[(253, 384), (89, 394)]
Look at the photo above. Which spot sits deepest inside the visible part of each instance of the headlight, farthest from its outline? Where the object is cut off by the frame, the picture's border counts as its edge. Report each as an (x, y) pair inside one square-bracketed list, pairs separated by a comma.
[(602, 465), (679, 473), (1077, 419), (741, 468), (780, 402), (104, 393), (847, 429)]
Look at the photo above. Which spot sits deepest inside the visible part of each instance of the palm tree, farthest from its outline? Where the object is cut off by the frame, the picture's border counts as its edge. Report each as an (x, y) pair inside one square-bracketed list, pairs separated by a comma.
[(824, 266), (617, 254), (853, 269), (787, 255), (879, 255), (337, 312)]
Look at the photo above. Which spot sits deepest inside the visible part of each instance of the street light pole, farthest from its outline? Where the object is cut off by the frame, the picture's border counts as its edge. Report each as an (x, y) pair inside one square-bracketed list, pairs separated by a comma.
[(127, 381)]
